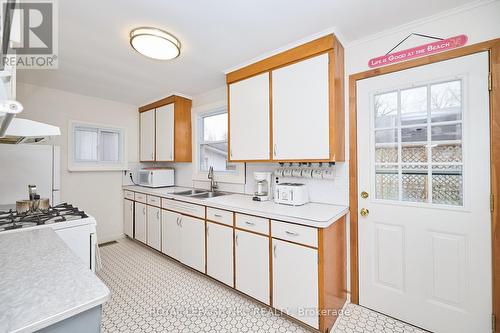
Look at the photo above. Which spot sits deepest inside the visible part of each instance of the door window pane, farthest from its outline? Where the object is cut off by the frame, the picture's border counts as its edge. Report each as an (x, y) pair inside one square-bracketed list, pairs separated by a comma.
[(447, 185), (386, 110), (446, 101), (387, 182), (414, 153), (386, 154), (414, 134), (415, 184), (386, 136), (446, 132), (414, 106), (446, 153)]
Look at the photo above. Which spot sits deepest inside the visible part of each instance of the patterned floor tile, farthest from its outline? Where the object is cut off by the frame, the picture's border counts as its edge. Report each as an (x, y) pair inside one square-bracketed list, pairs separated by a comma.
[(152, 293)]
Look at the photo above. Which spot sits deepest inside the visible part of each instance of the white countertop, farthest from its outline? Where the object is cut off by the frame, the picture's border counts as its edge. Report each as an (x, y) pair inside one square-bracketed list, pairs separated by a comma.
[(311, 214), (42, 282)]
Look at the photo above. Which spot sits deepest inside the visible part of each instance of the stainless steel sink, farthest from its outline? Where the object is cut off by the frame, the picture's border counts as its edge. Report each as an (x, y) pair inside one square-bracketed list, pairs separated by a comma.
[(190, 192), (207, 195)]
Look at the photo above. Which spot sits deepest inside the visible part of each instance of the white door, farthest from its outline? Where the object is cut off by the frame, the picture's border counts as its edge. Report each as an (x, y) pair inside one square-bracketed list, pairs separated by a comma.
[(295, 281), (140, 222), (300, 98), (220, 252), (193, 242), (170, 234), (249, 118), (252, 265), (424, 162), (154, 227), (128, 217), (165, 133), (147, 135)]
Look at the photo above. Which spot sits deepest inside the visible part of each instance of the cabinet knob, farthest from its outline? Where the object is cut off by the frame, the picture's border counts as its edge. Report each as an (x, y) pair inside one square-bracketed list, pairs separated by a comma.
[(275, 150), (274, 250), (236, 239)]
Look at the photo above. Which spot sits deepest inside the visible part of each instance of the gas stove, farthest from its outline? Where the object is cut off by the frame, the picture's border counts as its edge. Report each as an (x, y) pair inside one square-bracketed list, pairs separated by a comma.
[(10, 220)]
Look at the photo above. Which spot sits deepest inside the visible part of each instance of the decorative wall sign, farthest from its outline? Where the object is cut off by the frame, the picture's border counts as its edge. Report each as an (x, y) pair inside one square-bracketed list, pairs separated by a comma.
[(418, 51)]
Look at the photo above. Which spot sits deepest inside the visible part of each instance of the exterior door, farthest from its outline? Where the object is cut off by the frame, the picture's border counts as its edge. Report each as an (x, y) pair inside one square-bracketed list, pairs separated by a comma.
[(424, 185)]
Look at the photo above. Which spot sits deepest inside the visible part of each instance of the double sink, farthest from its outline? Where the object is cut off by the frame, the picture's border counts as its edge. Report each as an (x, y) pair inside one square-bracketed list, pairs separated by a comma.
[(200, 194)]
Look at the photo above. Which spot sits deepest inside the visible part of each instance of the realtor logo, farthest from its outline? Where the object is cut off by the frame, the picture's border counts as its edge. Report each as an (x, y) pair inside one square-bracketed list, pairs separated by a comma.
[(33, 34)]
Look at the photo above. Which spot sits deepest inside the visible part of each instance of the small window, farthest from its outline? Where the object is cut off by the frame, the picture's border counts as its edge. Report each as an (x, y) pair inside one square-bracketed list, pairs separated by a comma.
[(213, 143), (96, 147)]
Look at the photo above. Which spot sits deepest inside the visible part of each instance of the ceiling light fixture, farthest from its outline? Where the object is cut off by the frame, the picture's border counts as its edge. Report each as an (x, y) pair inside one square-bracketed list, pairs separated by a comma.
[(155, 43)]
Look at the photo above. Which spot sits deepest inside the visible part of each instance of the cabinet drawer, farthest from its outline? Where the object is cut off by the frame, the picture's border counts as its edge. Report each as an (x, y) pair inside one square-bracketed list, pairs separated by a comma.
[(221, 216), (253, 223), (295, 233), (140, 197), (154, 201), (183, 207), (128, 195)]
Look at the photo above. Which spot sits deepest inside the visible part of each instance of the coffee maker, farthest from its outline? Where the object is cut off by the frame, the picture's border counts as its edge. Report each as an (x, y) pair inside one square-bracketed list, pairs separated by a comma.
[(263, 182)]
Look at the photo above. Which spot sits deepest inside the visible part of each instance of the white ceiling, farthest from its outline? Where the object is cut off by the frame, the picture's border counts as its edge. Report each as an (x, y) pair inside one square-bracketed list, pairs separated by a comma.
[(95, 57)]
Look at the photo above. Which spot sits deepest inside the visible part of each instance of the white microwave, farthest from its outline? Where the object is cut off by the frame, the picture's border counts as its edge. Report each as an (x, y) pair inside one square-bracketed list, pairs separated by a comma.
[(156, 177)]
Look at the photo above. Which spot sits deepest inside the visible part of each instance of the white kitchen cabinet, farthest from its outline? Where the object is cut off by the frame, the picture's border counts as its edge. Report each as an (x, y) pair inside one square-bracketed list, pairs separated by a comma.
[(140, 222), (128, 218), (192, 247), (300, 110), (249, 119), (252, 265), (295, 281), (220, 252), (147, 135), (170, 234), (154, 227), (165, 133)]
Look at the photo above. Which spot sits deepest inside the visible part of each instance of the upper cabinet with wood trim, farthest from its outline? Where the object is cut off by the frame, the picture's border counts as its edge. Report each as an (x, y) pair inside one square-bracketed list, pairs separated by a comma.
[(289, 107), (165, 130)]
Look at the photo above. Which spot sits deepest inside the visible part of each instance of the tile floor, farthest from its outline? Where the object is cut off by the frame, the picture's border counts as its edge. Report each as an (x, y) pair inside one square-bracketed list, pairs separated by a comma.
[(152, 293)]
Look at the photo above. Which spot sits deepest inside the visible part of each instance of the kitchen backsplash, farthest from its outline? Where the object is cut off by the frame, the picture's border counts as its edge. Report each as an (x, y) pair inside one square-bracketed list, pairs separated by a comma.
[(334, 189)]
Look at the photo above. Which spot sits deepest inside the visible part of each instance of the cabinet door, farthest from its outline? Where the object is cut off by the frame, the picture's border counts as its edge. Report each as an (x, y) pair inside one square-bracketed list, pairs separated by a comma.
[(140, 222), (295, 281), (300, 98), (154, 227), (220, 252), (165, 133), (249, 119), (147, 136), (170, 234), (128, 218), (252, 265), (193, 242)]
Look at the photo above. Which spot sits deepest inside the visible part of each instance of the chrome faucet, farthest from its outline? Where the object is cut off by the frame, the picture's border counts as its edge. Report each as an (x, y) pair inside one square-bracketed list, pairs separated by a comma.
[(213, 184)]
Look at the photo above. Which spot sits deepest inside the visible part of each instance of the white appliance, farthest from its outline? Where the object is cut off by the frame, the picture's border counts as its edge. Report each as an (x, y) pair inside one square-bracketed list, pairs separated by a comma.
[(23, 165), (264, 186), (294, 194), (156, 177)]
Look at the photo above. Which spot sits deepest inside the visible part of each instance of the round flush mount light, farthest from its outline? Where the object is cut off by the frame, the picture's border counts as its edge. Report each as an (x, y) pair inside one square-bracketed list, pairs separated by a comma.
[(155, 43)]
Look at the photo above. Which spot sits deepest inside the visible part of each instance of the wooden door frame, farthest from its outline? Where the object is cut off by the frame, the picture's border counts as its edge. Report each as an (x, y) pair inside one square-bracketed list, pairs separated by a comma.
[(493, 47)]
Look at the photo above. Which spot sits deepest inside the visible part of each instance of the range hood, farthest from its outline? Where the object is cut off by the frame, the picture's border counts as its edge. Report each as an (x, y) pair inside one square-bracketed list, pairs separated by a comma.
[(16, 130)]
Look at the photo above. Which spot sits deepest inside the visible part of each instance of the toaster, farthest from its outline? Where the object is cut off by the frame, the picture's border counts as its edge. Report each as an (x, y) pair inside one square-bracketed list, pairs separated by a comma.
[(294, 194)]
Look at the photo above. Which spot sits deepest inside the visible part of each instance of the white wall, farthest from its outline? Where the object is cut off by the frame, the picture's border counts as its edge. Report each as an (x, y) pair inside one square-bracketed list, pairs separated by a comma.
[(97, 193)]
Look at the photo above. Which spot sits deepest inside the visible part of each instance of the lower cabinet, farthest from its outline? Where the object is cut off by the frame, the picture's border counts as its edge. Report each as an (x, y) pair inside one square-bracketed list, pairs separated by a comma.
[(128, 218), (140, 222), (295, 281), (252, 265), (153, 221), (220, 252), (193, 242), (170, 234), (183, 238)]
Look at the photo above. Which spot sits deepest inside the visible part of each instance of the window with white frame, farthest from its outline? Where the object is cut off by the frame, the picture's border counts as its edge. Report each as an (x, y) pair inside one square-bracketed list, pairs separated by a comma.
[(96, 147), (213, 142)]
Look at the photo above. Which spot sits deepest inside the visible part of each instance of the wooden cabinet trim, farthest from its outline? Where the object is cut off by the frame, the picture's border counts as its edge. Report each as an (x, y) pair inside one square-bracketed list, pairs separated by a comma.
[(287, 57)]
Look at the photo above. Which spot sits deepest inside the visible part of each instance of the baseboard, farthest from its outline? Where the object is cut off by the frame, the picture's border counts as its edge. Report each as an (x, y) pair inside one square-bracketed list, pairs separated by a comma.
[(110, 238)]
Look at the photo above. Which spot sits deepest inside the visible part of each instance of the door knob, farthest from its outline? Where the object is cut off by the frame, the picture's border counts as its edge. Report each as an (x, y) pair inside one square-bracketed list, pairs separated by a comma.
[(364, 194), (364, 212)]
